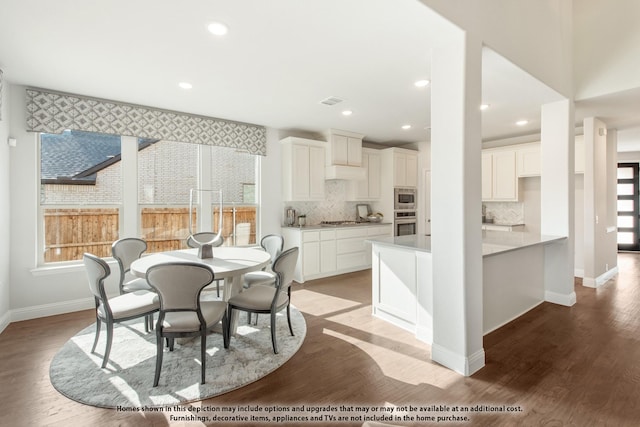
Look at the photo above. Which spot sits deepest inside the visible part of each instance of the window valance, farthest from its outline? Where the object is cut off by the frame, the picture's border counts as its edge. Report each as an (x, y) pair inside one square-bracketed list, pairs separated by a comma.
[(53, 112)]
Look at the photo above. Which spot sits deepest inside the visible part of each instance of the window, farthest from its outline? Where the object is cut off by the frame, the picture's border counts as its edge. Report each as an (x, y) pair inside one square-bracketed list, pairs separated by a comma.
[(167, 170), (80, 194), (83, 187)]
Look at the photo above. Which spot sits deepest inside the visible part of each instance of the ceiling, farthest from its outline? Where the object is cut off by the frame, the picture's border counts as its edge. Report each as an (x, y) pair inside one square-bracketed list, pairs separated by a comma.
[(278, 61)]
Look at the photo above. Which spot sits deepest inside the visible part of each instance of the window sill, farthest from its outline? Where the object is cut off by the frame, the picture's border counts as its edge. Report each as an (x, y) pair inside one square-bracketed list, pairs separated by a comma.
[(66, 268)]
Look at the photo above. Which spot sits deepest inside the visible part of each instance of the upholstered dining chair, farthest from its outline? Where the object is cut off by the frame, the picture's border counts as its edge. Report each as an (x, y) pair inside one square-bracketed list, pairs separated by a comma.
[(182, 314), (269, 299), (272, 244), (194, 241), (123, 307), (125, 251)]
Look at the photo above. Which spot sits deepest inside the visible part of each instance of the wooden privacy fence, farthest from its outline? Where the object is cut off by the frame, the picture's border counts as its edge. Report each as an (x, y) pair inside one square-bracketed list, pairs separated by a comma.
[(70, 232)]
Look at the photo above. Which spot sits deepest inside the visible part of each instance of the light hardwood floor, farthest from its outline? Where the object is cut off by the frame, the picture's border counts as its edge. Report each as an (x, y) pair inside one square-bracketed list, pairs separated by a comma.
[(577, 366)]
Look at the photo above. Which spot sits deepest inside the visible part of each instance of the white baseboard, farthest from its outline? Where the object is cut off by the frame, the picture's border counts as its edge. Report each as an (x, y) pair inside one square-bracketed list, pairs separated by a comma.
[(52, 309), (5, 320), (590, 282), (578, 272), (561, 299), (466, 366)]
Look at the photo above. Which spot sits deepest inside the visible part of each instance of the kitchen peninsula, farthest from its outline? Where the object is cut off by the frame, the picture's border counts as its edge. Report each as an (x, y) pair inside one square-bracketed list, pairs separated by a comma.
[(513, 279)]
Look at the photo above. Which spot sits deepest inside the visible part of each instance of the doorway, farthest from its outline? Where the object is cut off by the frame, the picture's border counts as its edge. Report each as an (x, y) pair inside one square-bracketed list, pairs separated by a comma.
[(628, 207)]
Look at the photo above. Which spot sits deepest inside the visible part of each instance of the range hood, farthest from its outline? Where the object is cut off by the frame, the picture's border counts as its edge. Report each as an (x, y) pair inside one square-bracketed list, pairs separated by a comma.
[(349, 173)]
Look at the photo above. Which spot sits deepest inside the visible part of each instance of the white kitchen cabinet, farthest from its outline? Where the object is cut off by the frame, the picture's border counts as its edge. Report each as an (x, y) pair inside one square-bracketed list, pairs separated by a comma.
[(501, 184), (329, 251), (369, 188), (528, 159), (302, 169), (405, 169), (344, 148)]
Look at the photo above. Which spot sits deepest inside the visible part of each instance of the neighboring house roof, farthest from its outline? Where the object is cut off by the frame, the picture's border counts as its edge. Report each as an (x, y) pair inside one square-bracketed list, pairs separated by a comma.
[(75, 157)]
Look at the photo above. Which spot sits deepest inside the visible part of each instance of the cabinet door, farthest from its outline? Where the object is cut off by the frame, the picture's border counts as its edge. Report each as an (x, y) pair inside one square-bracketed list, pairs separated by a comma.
[(354, 151), (362, 186), (505, 182), (300, 172), (315, 176), (399, 168), (529, 161), (310, 258), (487, 174), (411, 172), (327, 256), (373, 175)]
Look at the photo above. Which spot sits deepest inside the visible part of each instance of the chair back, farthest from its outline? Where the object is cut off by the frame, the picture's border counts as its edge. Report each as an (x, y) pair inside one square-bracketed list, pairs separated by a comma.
[(125, 251), (284, 266), (273, 244), (198, 239), (179, 284), (97, 270)]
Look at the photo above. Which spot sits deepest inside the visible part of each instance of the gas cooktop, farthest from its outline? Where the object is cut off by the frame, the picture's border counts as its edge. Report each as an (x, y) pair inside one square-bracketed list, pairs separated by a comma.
[(336, 223)]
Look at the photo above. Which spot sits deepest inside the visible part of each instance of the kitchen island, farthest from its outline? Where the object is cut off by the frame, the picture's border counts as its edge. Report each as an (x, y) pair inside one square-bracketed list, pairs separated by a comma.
[(513, 279)]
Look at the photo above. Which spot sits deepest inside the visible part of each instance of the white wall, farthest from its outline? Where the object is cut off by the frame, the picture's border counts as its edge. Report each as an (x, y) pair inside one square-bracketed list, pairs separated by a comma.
[(607, 47), (37, 292), (271, 209), (5, 238), (533, 34)]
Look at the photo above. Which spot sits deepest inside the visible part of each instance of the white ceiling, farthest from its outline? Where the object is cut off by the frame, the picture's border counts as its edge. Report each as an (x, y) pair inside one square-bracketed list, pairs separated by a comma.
[(279, 59)]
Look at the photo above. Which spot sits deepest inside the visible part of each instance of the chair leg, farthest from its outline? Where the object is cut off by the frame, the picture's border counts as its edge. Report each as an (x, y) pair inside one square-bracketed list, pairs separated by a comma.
[(225, 331), (109, 341), (146, 324), (159, 354), (171, 342), (273, 332), (95, 341), (203, 354), (289, 319), (248, 317), (229, 317), (218, 288)]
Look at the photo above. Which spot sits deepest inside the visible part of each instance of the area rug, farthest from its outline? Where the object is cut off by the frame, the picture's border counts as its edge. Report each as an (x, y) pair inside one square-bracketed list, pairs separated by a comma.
[(127, 381)]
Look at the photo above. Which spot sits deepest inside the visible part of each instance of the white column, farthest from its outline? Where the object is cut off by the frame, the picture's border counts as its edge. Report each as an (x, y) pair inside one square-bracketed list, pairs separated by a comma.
[(130, 215), (456, 72), (557, 199)]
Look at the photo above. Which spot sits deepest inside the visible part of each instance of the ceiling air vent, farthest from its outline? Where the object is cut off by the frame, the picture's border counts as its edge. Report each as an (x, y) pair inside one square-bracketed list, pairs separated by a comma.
[(332, 100)]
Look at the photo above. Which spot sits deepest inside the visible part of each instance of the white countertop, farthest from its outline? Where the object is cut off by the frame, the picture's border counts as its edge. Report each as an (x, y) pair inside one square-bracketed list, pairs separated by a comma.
[(333, 227), (493, 242)]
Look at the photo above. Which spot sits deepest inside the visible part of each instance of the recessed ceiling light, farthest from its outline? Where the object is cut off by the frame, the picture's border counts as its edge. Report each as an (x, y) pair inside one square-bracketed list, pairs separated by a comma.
[(484, 106), (347, 112), (185, 85), (217, 28), (522, 122), (422, 83), (405, 127)]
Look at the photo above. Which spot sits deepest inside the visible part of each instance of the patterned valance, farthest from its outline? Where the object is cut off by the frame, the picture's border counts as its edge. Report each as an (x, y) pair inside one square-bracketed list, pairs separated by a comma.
[(53, 112)]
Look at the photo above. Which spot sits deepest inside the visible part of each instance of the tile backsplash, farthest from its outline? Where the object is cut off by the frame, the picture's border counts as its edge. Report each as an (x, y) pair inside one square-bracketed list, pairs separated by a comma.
[(506, 212), (334, 207)]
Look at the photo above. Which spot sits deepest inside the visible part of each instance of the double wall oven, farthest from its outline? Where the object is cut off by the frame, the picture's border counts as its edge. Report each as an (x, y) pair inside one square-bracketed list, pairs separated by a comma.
[(404, 214)]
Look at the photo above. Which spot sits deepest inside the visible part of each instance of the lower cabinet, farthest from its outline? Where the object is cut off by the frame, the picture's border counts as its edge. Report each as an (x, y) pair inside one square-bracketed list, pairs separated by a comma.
[(328, 252)]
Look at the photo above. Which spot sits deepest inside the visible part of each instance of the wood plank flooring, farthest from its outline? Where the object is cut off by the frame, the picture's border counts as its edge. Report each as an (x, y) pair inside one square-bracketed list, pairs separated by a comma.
[(577, 366)]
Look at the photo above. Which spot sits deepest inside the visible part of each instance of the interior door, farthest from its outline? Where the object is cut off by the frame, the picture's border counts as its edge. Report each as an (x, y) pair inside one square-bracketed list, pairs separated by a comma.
[(628, 207)]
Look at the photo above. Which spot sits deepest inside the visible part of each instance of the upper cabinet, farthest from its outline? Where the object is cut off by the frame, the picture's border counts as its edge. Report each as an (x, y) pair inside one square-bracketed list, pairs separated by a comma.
[(344, 148), (499, 180), (303, 169), (529, 159), (369, 188), (405, 168)]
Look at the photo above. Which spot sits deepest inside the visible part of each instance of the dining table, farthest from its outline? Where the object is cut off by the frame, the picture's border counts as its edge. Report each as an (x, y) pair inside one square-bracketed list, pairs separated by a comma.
[(229, 263)]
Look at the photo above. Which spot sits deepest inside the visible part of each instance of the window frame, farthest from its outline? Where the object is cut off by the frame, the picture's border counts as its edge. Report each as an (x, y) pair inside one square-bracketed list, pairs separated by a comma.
[(129, 208)]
